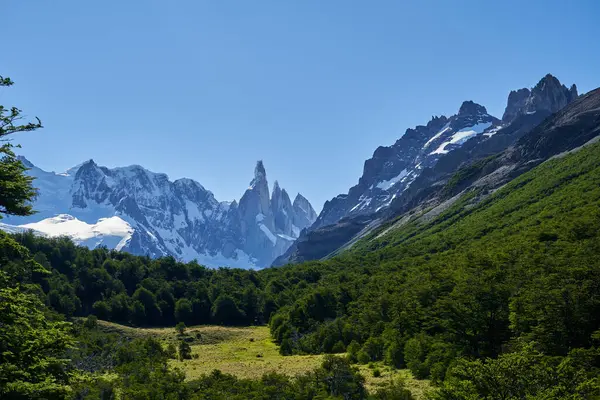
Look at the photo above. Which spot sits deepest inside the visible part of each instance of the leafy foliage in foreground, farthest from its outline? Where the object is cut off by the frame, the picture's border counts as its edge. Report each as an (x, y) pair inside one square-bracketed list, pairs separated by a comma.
[(32, 348), (526, 374), (16, 187)]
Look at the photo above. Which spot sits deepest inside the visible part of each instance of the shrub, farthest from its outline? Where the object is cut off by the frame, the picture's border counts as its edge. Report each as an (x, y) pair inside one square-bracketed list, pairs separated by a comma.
[(352, 350), (91, 322), (394, 390), (362, 357), (185, 351), (394, 355), (339, 347), (415, 352), (374, 348), (171, 351)]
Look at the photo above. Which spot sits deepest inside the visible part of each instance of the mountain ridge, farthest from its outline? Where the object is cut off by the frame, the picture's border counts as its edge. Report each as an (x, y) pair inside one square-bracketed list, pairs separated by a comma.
[(465, 140), (179, 218)]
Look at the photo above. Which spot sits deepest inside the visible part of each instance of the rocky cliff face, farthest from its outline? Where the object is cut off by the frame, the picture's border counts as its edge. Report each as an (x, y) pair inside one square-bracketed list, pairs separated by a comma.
[(142, 212), (407, 174), (392, 169), (548, 95)]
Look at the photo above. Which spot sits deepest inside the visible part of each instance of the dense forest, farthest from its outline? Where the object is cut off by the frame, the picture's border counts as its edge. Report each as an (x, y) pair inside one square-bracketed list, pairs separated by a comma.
[(497, 297)]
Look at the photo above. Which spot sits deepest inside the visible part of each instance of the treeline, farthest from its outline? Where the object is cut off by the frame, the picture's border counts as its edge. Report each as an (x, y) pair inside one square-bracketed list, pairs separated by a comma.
[(141, 291), (44, 357)]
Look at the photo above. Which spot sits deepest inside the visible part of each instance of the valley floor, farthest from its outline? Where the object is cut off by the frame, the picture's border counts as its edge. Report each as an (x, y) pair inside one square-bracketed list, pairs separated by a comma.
[(249, 352)]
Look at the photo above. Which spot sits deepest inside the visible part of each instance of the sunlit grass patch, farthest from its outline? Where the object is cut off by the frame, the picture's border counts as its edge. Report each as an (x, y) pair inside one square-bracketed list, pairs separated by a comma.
[(244, 352), (249, 352), (417, 387)]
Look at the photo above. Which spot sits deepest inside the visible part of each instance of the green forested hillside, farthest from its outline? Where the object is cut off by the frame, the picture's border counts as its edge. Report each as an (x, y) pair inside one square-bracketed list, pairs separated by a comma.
[(522, 265), (497, 298)]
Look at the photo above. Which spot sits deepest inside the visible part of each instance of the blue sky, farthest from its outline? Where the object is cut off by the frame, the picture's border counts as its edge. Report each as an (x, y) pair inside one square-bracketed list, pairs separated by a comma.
[(203, 89)]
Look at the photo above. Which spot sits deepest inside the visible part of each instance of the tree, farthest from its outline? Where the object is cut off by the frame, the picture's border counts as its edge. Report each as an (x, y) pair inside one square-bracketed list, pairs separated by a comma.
[(374, 348), (183, 311), (525, 374), (32, 348), (180, 328), (415, 353), (394, 355), (225, 311), (138, 313), (250, 305), (341, 378), (352, 350), (148, 300), (16, 189), (101, 309), (91, 322)]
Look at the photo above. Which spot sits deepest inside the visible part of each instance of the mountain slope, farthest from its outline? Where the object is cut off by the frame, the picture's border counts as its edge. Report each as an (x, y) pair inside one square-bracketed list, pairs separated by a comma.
[(469, 280), (426, 183), (135, 210), (392, 169)]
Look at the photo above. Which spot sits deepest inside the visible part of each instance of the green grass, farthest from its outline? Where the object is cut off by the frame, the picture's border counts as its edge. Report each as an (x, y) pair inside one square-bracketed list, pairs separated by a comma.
[(417, 387), (246, 353), (249, 352)]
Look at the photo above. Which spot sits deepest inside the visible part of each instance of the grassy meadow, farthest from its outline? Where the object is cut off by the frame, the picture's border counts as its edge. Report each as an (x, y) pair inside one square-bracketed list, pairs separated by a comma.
[(249, 352)]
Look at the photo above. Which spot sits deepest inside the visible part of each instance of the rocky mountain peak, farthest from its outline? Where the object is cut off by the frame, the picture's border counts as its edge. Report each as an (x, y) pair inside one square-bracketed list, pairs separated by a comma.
[(392, 169), (436, 121), (276, 197), (88, 169), (259, 170), (548, 79), (300, 199), (471, 108), (516, 103), (276, 187), (573, 91), (304, 213), (25, 161), (548, 95)]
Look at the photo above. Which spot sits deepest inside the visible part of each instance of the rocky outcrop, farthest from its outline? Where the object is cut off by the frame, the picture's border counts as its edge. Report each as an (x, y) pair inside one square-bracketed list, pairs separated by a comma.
[(304, 214), (548, 95), (392, 169)]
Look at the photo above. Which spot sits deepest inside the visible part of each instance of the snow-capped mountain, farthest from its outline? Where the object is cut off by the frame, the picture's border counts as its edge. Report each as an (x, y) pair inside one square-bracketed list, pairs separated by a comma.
[(142, 212), (398, 177), (392, 169)]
